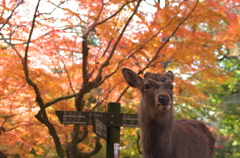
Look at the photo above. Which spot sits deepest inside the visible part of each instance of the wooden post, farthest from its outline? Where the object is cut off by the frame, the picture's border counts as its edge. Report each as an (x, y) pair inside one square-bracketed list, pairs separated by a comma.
[(113, 133)]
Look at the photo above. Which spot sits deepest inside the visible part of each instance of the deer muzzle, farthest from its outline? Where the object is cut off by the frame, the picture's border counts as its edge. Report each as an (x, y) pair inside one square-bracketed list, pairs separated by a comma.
[(164, 103)]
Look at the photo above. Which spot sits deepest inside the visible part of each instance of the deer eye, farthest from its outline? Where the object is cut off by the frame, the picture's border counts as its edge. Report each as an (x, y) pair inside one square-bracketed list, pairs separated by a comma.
[(146, 86), (171, 87)]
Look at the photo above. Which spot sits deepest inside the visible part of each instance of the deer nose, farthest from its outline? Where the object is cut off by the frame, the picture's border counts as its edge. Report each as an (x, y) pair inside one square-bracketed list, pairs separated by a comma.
[(163, 99)]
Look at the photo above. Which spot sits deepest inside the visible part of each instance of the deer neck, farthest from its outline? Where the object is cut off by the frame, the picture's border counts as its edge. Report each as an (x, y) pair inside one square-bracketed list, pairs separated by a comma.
[(157, 135)]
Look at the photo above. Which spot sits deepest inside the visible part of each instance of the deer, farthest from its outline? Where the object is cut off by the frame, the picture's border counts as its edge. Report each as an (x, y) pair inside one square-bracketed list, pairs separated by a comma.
[(162, 136)]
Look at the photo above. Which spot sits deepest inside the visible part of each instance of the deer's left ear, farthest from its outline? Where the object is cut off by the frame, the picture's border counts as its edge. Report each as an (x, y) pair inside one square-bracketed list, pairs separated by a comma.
[(170, 74), (132, 78)]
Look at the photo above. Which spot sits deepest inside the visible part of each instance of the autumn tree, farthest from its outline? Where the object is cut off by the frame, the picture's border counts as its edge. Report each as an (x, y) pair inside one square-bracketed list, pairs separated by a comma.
[(67, 55)]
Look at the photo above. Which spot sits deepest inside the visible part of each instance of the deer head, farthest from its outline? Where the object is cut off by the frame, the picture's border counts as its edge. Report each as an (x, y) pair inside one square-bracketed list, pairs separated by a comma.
[(156, 89)]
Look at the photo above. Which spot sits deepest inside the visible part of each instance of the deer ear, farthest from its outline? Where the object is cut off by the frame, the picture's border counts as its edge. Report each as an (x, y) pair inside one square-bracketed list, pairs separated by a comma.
[(170, 74), (132, 78)]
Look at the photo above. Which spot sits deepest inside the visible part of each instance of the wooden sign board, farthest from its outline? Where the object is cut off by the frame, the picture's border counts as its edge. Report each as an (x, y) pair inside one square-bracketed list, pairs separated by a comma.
[(75, 117), (109, 119), (125, 120), (130, 120), (99, 127)]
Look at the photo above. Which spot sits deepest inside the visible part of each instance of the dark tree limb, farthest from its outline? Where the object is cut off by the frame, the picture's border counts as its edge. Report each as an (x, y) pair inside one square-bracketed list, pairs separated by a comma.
[(98, 147), (98, 103), (148, 40), (10, 16), (59, 99), (64, 66), (11, 45), (87, 86), (2, 155), (98, 78), (42, 116), (122, 93), (83, 134), (168, 39), (160, 47)]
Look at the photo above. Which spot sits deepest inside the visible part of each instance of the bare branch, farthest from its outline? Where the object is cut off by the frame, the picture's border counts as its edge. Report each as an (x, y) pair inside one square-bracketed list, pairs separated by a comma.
[(65, 68), (108, 46), (85, 50), (160, 48), (83, 134), (59, 99), (119, 10), (42, 116), (111, 39), (123, 92), (13, 91), (98, 147), (95, 23), (18, 4), (106, 62), (148, 40), (98, 103), (11, 45), (56, 6), (99, 14), (109, 75), (6, 118), (86, 86), (167, 40), (25, 61)]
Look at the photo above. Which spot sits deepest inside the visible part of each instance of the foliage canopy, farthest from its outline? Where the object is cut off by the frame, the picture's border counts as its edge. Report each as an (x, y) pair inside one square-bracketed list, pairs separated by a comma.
[(67, 55)]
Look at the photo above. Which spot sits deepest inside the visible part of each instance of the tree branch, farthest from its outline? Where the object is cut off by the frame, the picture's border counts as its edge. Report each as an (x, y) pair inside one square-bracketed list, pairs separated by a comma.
[(85, 48), (105, 98), (123, 92), (64, 65), (9, 17), (98, 147), (167, 40), (43, 118), (59, 99), (148, 40), (160, 48), (109, 75), (110, 41), (11, 45), (98, 78), (119, 10)]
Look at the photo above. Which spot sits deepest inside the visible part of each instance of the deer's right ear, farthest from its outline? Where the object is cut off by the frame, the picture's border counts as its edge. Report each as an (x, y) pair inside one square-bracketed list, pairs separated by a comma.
[(170, 74), (132, 78)]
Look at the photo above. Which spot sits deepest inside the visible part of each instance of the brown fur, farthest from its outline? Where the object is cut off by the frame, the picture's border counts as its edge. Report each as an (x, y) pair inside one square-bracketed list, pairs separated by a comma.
[(162, 136)]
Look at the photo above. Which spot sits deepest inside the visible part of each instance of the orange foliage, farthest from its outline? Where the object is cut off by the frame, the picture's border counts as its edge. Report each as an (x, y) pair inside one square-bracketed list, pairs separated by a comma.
[(62, 66)]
